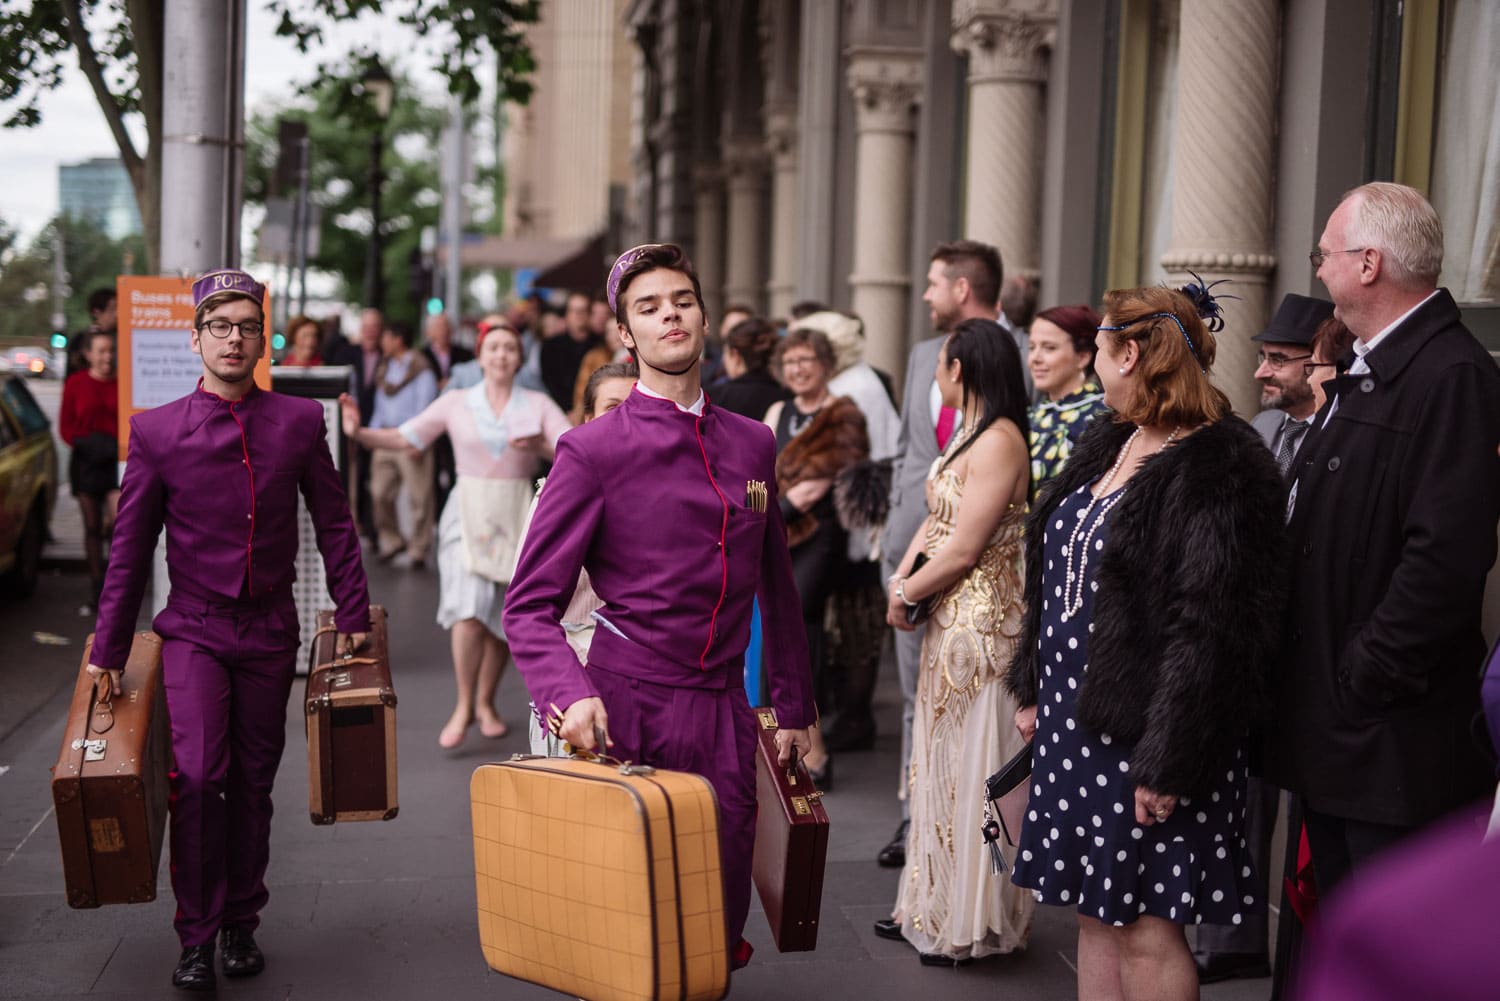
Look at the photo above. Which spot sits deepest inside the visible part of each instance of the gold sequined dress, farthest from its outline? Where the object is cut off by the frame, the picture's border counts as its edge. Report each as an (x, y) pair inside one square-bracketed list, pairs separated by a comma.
[(950, 899)]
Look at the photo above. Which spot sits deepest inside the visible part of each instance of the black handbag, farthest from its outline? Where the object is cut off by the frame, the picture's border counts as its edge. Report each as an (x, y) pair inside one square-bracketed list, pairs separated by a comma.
[(1011, 774), (918, 613)]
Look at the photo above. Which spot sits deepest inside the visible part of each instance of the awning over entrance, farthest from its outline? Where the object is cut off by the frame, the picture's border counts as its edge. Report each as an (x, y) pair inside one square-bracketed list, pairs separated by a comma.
[(577, 263)]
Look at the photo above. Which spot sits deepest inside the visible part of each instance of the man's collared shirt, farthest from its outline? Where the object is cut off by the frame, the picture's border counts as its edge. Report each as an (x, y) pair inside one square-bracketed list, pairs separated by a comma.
[(394, 409)]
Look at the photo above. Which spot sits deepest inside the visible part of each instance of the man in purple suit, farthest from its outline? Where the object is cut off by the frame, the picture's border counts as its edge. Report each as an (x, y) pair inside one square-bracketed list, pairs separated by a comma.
[(221, 469), (670, 502)]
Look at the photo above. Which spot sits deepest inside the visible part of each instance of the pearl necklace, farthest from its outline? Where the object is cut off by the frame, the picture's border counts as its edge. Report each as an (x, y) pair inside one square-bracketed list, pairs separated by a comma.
[(1077, 549)]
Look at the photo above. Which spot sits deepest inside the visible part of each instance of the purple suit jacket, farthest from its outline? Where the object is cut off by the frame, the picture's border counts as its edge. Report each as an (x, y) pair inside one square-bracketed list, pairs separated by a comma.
[(223, 479), (655, 504)]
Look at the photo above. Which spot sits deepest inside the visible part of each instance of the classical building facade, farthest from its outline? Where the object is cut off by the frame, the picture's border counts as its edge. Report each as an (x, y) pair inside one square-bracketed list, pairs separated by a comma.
[(813, 149)]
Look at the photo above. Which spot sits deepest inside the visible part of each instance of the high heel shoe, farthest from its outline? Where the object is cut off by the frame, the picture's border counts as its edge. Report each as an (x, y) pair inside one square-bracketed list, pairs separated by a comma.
[(889, 928)]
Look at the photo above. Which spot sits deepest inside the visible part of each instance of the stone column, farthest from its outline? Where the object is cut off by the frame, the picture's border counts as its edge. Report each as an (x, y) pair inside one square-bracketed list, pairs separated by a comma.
[(584, 33), (817, 147), (708, 235), (1006, 43), (745, 267), (781, 143), (1223, 198), (887, 87)]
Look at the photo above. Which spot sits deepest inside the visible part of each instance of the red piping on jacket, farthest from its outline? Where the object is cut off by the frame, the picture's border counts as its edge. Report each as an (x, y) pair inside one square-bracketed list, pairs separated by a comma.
[(723, 551)]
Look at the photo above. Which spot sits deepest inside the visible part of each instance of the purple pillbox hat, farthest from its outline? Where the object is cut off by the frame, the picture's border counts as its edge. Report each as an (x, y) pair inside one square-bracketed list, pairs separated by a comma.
[(227, 280), (624, 261)]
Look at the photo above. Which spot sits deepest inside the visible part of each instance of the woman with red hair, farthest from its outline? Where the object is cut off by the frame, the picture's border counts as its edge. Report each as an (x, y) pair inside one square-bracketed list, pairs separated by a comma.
[(1061, 360)]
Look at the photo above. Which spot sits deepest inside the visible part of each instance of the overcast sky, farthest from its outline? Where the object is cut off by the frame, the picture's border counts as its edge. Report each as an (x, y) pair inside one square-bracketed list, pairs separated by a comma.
[(73, 128)]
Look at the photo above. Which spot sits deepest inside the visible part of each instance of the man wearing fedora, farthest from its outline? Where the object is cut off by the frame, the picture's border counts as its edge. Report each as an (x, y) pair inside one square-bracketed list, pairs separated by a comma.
[(1285, 346), (221, 469)]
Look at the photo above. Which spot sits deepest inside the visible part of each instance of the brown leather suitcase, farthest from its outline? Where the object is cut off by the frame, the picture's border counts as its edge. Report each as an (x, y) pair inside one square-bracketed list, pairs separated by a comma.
[(351, 726), (791, 844), (599, 880), (109, 785)]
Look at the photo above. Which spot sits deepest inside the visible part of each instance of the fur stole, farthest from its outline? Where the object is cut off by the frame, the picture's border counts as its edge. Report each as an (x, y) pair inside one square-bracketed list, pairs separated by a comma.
[(1187, 615), (835, 440)]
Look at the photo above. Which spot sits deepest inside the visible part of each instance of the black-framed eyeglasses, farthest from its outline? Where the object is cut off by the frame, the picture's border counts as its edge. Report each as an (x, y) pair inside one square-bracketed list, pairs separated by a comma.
[(1318, 256), (1309, 366), (1277, 360), (250, 330)]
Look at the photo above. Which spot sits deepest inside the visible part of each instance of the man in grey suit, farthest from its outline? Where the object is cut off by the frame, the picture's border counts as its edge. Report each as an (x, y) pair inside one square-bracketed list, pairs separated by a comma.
[(963, 282), (1225, 952)]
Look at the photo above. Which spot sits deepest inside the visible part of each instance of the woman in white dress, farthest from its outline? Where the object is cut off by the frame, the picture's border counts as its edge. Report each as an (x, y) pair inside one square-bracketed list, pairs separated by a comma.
[(500, 432)]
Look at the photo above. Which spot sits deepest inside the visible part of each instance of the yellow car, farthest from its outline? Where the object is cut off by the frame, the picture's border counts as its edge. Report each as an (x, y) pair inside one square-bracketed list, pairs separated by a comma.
[(28, 486)]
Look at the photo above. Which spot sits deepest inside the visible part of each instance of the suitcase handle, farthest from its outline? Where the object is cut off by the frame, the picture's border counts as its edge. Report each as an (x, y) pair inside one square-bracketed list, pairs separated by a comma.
[(102, 710)]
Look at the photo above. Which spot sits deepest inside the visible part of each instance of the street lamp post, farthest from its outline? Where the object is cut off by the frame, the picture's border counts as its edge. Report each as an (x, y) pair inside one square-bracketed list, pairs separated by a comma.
[(380, 91)]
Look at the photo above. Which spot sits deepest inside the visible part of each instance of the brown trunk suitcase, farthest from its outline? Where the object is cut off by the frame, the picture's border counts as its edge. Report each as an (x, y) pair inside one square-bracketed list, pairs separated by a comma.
[(601, 881), (351, 727), (109, 785), (791, 844)]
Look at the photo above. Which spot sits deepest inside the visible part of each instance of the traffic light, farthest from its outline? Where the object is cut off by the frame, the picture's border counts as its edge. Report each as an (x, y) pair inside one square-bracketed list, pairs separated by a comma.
[(434, 306), (59, 341), (278, 341)]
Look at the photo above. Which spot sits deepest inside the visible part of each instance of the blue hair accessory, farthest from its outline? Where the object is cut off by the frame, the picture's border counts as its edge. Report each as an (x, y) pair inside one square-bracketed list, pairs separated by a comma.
[(1192, 348), (1200, 294)]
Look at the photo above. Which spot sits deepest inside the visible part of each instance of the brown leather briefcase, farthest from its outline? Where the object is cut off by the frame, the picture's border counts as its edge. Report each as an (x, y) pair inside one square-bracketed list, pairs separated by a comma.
[(599, 880), (351, 726), (109, 785), (791, 844)]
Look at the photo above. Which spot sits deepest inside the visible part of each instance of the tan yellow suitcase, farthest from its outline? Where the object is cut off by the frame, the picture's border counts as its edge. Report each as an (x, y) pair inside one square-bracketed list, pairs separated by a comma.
[(599, 880)]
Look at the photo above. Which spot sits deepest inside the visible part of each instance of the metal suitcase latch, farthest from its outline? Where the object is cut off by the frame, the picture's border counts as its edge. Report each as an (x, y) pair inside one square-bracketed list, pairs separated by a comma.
[(93, 750), (340, 680)]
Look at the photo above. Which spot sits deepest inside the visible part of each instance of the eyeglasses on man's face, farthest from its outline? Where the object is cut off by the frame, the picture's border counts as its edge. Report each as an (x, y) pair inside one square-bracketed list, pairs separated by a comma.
[(799, 361), (1318, 256), (1277, 360), (250, 330)]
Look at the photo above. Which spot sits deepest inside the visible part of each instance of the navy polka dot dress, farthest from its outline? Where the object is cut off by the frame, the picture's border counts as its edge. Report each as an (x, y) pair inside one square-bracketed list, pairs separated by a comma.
[(1080, 845)]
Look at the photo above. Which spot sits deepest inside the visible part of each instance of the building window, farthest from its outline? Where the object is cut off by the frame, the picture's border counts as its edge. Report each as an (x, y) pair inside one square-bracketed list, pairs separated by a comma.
[(1144, 129), (1465, 167)]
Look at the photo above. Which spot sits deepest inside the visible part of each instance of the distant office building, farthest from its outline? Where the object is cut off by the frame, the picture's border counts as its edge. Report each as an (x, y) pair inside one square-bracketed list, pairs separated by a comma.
[(99, 190)]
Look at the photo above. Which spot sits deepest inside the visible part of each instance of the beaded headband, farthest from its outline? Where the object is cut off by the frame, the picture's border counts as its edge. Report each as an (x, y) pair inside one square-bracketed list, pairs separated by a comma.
[(1205, 304)]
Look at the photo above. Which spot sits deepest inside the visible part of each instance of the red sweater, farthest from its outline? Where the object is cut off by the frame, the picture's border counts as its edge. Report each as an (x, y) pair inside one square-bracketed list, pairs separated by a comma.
[(88, 406)]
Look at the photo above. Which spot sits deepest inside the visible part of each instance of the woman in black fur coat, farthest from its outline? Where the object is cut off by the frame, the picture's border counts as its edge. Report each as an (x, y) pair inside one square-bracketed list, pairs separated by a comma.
[(1153, 594)]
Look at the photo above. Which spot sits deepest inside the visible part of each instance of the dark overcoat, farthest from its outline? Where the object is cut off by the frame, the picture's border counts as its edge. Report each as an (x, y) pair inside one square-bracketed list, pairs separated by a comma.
[(1392, 526), (1189, 601)]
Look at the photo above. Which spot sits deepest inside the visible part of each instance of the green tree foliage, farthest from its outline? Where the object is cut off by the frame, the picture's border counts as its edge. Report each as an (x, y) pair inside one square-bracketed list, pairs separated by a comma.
[(340, 126), (118, 46), (90, 260)]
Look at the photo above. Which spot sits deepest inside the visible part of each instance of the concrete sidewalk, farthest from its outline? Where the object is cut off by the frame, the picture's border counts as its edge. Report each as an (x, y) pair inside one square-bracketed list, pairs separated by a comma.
[(387, 910)]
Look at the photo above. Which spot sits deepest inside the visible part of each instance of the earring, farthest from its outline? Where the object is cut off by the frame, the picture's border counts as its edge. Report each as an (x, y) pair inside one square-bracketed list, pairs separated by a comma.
[(1122, 369)]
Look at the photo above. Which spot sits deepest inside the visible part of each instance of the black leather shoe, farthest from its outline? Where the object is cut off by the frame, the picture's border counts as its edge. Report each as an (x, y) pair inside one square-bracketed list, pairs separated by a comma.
[(889, 928), (822, 778), (1232, 966), (893, 855), (195, 970), (938, 959), (242, 957)]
